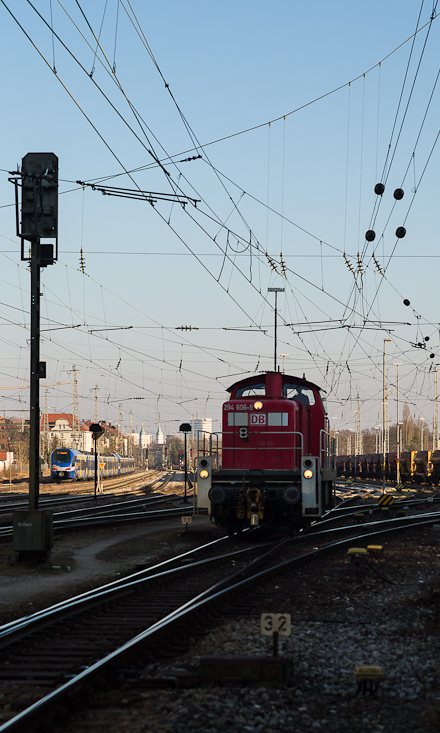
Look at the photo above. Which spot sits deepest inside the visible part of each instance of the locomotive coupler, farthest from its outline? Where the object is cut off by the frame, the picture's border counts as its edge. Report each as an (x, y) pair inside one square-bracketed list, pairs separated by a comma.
[(255, 507)]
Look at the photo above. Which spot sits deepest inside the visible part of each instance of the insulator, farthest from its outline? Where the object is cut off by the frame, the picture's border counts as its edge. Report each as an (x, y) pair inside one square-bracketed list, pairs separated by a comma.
[(379, 189), (426, 338), (406, 302), (400, 232), (370, 236), (398, 194), (431, 356)]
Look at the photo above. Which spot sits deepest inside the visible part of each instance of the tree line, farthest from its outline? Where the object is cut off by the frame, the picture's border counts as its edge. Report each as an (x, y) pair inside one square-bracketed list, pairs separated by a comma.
[(412, 430)]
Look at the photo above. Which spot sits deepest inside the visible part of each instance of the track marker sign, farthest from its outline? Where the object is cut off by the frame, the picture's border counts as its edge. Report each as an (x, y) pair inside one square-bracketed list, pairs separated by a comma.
[(275, 623), (385, 500)]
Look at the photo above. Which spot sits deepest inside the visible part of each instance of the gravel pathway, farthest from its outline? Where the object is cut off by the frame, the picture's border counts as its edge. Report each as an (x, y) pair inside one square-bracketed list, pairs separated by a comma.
[(80, 567)]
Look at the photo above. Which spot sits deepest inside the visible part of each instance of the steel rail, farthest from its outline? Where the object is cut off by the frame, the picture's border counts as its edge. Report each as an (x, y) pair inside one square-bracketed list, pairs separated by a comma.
[(15, 630), (6, 531), (416, 519), (400, 501), (211, 598), (119, 506), (54, 504), (120, 581), (110, 519)]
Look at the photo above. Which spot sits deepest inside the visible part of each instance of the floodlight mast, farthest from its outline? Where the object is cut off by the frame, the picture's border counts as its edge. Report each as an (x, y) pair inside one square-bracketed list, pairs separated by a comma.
[(276, 291), (384, 420)]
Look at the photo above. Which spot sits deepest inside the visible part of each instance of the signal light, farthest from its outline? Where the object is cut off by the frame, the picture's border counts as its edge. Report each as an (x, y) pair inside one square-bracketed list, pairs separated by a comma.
[(39, 207), (204, 481), (309, 485)]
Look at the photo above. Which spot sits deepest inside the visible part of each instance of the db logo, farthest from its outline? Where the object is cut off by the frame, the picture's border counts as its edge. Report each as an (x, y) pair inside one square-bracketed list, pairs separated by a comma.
[(257, 418)]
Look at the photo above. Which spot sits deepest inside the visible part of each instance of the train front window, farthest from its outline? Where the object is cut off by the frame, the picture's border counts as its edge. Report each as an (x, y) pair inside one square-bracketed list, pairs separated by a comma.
[(61, 456), (298, 393), (251, 390)]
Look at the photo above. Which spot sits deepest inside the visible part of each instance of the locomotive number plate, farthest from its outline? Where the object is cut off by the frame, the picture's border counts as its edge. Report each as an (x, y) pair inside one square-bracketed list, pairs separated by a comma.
[(275, 623)]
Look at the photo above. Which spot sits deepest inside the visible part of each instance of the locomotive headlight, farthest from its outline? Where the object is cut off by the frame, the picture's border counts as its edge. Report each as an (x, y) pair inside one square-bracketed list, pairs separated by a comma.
[(258, 405), (308, 473), (204, 473)]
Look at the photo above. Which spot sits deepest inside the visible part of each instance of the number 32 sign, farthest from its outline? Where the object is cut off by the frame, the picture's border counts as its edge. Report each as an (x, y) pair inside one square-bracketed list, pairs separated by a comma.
[(275, 623)]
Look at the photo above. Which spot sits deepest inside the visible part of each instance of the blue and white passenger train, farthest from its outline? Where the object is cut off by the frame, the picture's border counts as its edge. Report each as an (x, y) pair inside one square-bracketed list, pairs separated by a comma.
[(66, 463)]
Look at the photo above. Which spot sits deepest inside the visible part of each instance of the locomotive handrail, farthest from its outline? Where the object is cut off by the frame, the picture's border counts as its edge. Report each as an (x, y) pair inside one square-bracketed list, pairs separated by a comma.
[(246, 447), (327, 457), (267, 447)]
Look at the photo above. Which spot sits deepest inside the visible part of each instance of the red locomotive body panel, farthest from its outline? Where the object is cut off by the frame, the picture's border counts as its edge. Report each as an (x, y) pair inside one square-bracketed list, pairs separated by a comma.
[(272, 440), (270, 422)]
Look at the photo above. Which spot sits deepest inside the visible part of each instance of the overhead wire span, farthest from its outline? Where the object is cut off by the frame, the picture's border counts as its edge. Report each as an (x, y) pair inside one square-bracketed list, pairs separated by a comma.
[(316, 99), (90, 122), (377, 203), (131, 106)]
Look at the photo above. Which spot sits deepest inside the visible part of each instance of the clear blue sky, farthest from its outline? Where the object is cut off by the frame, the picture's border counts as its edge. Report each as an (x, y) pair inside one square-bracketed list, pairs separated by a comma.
[(302, 186)]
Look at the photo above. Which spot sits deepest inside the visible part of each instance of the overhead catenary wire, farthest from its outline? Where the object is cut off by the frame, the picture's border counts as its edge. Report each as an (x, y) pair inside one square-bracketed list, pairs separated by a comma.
[(219, 255)]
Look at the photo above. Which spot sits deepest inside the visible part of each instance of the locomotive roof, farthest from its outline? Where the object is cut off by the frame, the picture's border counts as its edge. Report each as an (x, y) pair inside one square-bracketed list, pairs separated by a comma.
[(286, 378)]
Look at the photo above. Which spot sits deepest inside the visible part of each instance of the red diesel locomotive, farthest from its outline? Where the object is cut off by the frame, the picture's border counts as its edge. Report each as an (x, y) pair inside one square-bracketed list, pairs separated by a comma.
[(277, 466)]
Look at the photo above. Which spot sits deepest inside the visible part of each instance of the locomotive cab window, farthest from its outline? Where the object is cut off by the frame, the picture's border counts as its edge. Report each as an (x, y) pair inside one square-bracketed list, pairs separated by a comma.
[(299, 393), (251, 390), (237, 418), (278, 418)]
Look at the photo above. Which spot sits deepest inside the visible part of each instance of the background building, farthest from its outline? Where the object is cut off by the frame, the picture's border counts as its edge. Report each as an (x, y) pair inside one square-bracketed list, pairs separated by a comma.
[(160, 438), (200, 425), (145, 439)]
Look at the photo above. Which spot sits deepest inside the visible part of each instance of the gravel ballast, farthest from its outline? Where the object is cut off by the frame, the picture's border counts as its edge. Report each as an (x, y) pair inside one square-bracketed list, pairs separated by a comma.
[(341, 618)]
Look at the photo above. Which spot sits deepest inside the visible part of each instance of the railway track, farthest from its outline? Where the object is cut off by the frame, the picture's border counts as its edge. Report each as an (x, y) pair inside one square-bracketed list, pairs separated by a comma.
[(126, 512), (44, 654), (152, 609), (48, 487)]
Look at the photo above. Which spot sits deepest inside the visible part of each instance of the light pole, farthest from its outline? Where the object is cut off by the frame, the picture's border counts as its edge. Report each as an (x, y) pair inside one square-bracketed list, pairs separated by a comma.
[(421, 432), (284, 359), (276, 291), (384, 427), (397, 364), (185, 428), (97, 430), (334, 431)]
